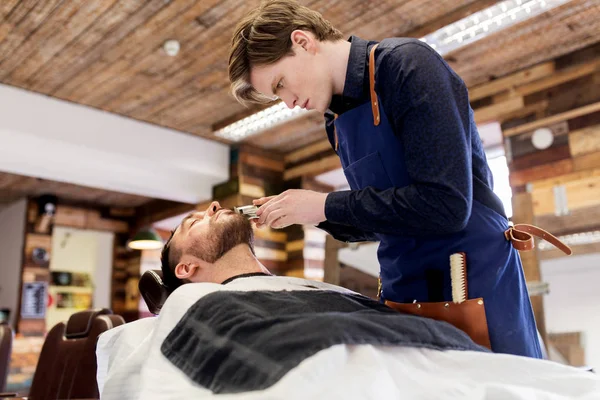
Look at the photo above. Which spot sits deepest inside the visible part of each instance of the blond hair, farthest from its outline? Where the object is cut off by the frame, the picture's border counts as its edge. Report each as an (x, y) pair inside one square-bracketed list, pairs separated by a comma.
[(263, 37)]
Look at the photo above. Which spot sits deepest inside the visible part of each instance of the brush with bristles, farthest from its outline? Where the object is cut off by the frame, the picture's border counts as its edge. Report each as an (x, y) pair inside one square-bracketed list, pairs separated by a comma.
[(458, 277)]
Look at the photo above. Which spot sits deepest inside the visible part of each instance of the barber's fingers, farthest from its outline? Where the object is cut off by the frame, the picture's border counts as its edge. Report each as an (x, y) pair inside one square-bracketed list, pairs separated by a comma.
[(274, 216), (254, 222), (262, 200), (281, 222), (266, 209)]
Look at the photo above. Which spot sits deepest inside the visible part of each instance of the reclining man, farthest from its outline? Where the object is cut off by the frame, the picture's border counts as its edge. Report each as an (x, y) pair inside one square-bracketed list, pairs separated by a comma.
[(230, 327), (215, 245)]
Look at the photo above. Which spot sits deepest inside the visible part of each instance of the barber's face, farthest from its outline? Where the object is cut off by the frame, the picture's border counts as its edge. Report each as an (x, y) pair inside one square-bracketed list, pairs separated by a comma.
[(299, 80), (209, 234)]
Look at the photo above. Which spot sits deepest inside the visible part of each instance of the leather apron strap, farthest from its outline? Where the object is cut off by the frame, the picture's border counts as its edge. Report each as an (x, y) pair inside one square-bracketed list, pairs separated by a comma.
[(374, 102), (521, 237)]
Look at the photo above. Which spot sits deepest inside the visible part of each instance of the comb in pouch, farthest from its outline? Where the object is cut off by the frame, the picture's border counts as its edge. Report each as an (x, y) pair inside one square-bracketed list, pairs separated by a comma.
[(458, 277)]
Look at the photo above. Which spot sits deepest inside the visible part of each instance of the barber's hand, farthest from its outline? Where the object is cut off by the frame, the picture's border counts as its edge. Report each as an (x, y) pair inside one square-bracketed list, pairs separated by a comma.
[(295, 206)]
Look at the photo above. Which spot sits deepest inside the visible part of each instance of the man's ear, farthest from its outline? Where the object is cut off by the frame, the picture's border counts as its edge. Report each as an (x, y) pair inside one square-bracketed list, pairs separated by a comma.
[(185, 270), (304, 39)]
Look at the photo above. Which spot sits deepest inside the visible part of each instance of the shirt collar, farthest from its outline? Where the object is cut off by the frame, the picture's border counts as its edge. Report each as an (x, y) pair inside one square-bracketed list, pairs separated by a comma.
[(354, 84), (247, 275)]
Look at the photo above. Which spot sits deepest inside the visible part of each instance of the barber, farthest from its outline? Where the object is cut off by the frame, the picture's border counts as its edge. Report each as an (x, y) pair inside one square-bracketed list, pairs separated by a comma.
[(399, 119)]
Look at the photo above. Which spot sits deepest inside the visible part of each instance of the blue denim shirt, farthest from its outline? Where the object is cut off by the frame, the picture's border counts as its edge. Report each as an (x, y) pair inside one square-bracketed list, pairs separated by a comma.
[(427, 105)]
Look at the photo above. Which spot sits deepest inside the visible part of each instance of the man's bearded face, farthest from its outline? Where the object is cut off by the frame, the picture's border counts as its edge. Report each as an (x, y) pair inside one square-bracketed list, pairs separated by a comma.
[(218, 234)]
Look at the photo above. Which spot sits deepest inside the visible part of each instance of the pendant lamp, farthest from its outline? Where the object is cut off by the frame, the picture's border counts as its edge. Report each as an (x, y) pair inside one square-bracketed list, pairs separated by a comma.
[(146, 239)]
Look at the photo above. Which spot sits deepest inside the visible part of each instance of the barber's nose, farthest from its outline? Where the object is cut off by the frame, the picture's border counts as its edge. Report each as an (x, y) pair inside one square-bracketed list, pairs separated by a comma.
[(213, 208)]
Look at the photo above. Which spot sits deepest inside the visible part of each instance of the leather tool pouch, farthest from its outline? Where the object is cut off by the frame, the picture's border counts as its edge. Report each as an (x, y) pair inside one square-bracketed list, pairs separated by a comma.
[(469, 316)]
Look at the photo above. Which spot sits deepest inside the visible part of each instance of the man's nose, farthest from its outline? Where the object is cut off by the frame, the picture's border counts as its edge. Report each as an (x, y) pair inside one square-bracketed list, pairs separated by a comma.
[(290, 102), (213, 208)]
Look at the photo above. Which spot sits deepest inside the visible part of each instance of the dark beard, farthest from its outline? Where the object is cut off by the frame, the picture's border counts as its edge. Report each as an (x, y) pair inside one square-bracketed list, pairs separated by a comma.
[(225, 234)]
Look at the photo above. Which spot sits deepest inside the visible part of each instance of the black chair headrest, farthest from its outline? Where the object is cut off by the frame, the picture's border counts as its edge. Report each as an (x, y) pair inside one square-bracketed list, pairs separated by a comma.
[(153, 290), (80, 323)]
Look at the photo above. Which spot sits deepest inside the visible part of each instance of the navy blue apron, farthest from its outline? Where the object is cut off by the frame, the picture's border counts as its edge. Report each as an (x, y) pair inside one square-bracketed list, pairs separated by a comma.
[(372, 155)]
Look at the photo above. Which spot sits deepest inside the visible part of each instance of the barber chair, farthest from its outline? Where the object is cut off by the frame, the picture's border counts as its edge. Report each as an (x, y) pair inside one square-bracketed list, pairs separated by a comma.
[(6, 337), (67, 365), (153, 290)]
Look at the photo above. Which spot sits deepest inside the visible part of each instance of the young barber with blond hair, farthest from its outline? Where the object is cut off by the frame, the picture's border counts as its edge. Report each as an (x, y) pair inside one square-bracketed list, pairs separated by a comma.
[(400, 120)]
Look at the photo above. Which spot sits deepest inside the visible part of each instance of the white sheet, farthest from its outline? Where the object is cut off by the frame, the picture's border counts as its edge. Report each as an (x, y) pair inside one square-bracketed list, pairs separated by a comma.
[(131, 366)]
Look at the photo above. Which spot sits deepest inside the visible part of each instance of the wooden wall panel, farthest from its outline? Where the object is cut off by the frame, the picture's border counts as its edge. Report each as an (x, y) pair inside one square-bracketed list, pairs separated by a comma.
[(584, 141), (580, 194)]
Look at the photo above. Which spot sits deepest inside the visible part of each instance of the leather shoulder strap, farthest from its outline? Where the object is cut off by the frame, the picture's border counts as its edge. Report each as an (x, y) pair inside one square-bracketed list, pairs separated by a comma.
[(374, 102)]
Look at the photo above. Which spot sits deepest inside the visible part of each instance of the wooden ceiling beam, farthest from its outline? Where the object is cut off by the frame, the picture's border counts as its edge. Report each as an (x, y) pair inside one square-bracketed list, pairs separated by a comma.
[(559, 77), (533, 79), (508, 82), (499, 111), (580, 220), (578, 112)]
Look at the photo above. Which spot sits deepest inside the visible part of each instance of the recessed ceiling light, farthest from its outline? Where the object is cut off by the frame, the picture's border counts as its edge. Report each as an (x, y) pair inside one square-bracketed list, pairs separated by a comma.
[(171, 47)]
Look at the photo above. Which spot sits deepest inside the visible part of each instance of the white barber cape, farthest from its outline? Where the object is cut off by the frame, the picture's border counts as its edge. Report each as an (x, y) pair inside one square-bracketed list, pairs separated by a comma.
[(131, 365)]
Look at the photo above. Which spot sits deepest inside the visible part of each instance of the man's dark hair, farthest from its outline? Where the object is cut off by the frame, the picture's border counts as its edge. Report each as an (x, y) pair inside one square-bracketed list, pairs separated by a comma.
[(169, 257)]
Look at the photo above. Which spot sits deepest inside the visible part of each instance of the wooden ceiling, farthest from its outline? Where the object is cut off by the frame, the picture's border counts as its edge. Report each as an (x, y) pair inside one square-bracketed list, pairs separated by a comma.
[(13, 187), (108, 54)]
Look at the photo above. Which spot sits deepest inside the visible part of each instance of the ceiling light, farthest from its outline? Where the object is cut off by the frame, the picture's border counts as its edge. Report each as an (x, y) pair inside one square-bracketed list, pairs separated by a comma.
[(261, 121), (488, 21), (542, 138), (171, 47), (460, 33), (146, 239)]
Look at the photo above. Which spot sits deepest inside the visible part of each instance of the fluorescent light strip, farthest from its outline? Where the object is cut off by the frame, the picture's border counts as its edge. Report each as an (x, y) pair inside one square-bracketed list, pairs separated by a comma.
[(573, 240), (444, 40), (485, 22), (261, 121)]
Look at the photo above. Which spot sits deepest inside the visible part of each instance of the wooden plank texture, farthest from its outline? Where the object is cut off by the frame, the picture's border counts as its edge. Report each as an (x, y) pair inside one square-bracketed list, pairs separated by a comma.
[(523, 177), (578, 112), (580, 220), (580, 194), (559, 77), (313, 168), (108, 55), (497, 112), (584, 141), (508, 82)]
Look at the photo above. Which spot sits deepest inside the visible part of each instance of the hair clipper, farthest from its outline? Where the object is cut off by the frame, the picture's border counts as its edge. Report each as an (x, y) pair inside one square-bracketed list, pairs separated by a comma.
[(247, 211)]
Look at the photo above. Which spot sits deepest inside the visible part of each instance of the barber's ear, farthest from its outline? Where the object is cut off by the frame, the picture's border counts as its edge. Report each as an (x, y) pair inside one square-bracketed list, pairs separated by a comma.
[(303, 39), (185, 271)]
